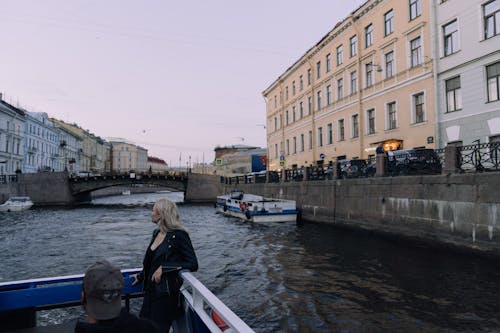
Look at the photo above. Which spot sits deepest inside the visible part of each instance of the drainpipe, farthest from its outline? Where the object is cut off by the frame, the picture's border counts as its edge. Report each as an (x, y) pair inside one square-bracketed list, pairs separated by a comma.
[(435, 71)]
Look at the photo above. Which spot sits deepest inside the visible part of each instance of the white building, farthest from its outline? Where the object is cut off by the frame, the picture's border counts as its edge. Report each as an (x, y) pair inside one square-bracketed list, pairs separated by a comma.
[(70, 150), (467, 53), (41, 144), (11, 137)]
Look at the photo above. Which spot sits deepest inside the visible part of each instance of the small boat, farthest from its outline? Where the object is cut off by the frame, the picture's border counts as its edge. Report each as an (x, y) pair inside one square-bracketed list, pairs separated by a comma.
[(126, 192), (256, 208), (16, 204)]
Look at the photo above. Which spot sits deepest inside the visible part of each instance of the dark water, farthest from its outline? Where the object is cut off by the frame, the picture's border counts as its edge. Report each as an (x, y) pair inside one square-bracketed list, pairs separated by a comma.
[(279, 278)]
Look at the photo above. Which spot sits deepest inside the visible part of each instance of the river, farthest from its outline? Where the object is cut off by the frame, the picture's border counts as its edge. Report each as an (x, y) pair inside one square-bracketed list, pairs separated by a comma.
[(277, 278)]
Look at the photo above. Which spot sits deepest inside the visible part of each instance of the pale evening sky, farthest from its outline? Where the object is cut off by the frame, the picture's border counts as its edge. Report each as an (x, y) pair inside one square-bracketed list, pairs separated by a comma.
[(171, 76)]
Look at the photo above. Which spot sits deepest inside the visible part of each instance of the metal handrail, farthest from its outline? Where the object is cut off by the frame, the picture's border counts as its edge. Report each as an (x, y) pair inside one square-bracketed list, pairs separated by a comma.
[(65, 291)]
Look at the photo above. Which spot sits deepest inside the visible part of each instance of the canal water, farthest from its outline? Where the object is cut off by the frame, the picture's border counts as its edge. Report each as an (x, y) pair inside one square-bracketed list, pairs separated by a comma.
[(278, 278)]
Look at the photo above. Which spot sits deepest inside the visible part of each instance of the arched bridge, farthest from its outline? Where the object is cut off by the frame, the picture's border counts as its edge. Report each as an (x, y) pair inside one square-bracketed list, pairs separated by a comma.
[(82, 186)]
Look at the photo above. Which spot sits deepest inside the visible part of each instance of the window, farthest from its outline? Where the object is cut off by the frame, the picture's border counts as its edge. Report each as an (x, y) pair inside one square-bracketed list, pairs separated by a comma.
[(318, 69), (493, 74), (369, 35), (286, 117), (328, 62), (293, 114), (293, 88), (310, 140), (301, 110), (370, 114), (286, 93), (391, 116), (355, 126), (354, 82), (275, 150), (453, 95), (389, 22), (353, 42), (418, 104), (369, 74), (309, 77), (309, 105), (301, 83), (320, 136), (329, 139), (341, 130), (340, 89), (340, 54), (329, 94), (288, 146), (491, 12), (415, 9), (389, 64), (450, 36), (318, 100), (275, 101), (416, 52), (302, 142), (294, 145), (275, 123)]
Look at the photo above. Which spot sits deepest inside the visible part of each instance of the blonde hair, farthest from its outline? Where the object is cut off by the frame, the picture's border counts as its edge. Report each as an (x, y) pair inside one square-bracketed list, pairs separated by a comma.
[(169, 215)]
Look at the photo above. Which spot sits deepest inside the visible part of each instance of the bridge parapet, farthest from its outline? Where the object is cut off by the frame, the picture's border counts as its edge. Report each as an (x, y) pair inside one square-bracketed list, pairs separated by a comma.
[(82, 185)]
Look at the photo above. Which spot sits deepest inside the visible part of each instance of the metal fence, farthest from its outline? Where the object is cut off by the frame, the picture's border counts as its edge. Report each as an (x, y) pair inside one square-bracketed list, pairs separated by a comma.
[(473, 158), (4, 179), (479, 157)]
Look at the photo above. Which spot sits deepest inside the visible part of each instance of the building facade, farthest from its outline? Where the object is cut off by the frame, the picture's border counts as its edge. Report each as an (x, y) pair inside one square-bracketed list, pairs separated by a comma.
[(11, 138), (368, 81), (40, 144), (156, 165), (468, 70), (128, 157), (70, 147)]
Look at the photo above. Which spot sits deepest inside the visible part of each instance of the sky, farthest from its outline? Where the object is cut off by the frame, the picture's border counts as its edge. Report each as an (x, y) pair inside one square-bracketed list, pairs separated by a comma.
[(175, 77)]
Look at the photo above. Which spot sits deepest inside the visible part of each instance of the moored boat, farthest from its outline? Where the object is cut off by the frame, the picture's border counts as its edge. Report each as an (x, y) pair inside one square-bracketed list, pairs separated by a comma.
[(15, 204), (256, 208)]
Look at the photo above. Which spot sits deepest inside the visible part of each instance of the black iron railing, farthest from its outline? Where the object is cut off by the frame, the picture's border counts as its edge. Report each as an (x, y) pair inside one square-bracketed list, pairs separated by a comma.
[(4, 179), (479, 157)]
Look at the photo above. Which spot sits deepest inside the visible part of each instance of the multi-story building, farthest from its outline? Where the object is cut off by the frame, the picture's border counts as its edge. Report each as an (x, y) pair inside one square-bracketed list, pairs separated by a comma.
[(368, 81), (11, 137), (126, 157), (156, 165), (70, 146), (94, 154), (467, 54), (41, 144)]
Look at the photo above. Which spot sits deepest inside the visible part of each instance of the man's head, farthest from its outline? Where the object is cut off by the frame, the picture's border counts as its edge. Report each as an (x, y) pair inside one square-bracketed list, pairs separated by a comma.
[(102, 289)]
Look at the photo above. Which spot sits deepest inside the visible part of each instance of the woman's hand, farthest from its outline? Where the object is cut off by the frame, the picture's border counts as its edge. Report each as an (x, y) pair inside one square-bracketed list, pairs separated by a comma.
[(136, 279), (156, 278)]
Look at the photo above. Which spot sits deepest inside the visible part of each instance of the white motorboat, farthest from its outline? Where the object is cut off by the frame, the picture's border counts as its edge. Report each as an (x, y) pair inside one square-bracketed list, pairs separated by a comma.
[(256, 208), (15, 204)]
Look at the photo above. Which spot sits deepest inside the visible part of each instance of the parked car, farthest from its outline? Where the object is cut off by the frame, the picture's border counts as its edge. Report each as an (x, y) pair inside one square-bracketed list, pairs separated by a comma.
[(413, 161), (352, 168)]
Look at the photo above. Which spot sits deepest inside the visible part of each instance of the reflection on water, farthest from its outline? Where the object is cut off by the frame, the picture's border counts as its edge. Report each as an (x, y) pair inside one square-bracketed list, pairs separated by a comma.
[(278, 278)]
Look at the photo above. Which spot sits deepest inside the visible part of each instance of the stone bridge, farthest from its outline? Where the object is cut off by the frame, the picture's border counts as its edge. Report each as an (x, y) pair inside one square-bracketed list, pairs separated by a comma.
[(81, 187)]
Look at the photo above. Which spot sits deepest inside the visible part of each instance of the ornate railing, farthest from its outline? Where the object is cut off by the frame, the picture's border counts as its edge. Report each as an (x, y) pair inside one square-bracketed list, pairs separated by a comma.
[(479, 157)]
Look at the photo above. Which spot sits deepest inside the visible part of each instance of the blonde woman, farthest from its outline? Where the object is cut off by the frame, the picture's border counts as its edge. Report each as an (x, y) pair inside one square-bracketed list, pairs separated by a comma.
[(169, 251)]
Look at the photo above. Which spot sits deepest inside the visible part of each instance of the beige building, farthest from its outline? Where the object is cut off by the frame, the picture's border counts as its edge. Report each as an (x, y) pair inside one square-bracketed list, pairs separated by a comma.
[(156, 165), (126, 157), (368, 81), (94, 154)]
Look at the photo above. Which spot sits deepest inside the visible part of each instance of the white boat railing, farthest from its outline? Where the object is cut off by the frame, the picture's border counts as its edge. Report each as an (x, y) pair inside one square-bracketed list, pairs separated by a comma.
[(202, 301)]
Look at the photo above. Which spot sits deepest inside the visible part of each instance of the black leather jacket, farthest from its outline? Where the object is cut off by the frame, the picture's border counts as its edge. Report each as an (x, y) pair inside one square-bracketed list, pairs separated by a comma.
[(173, 254)]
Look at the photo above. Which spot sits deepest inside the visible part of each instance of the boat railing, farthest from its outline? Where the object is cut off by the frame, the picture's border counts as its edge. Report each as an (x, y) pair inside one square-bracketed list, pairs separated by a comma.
[(20, 300)]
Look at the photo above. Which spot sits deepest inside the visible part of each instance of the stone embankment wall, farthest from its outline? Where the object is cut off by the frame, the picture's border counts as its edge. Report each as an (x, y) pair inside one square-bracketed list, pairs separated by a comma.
[(203, 188), (458, 209), (46, 188)]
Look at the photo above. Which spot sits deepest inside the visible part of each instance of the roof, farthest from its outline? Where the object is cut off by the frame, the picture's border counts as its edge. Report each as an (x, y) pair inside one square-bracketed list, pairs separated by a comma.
[(236, 147), (257, 151), (153, 159)]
